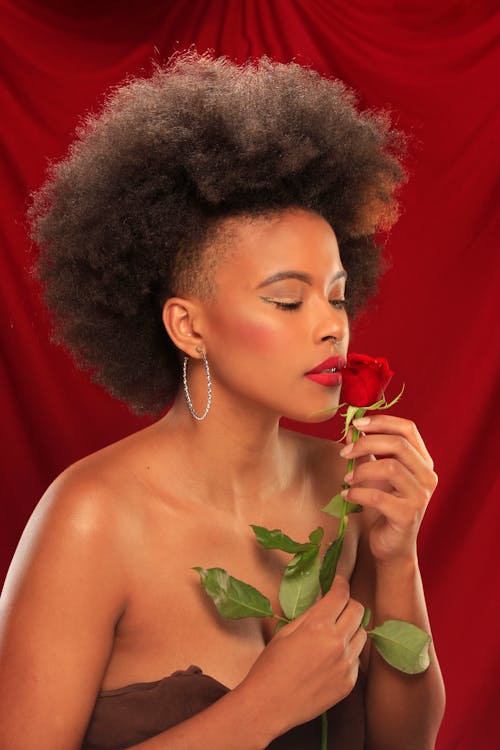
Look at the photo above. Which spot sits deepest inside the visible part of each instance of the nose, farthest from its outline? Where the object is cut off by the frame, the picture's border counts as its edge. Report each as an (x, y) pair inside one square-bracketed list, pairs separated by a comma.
[(333, 324)]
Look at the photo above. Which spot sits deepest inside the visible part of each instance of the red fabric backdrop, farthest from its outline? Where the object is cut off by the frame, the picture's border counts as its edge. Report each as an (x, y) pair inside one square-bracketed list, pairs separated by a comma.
[(432, 63)]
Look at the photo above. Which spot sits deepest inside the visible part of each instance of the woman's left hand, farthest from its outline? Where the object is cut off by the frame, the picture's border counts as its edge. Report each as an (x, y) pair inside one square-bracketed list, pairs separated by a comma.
[(397, 484)]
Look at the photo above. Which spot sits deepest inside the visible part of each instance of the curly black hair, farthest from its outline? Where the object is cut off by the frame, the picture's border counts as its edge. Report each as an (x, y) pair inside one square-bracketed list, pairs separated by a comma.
[(124, 220)]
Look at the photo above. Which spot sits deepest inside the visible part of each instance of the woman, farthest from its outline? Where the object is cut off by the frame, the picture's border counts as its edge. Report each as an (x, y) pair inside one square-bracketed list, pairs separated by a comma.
[(190, 250)]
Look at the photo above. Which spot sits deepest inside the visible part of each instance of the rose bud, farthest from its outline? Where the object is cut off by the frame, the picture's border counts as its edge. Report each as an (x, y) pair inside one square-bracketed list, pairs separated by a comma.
[(364, 379)]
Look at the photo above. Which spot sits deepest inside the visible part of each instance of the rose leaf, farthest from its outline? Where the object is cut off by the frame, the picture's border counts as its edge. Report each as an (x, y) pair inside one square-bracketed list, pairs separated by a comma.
[(232, 597), (299, 586), (316, 536), (334, 507), (301, 561), (276, 539), (366, 617), (329, 564), (402, 645)]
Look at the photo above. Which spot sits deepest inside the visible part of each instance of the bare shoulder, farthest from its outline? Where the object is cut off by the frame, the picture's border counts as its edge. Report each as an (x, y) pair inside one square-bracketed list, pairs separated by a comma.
[(86, 521), (81, 499), (65, 592), (77, 518)]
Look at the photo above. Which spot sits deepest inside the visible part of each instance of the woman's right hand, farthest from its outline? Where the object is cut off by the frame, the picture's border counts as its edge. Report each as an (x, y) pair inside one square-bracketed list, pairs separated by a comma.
[(312, 663)]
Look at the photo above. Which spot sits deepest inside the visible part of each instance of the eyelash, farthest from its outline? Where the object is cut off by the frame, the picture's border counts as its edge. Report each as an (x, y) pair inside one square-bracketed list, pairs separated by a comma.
[(290, 306)]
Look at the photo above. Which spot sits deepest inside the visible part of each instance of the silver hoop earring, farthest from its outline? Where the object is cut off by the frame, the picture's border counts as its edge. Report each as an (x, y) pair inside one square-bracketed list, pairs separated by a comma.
[(199, 417)]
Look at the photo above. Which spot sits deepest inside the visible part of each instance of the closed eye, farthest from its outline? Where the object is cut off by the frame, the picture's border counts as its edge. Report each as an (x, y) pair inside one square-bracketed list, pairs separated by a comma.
[(340, 304), (287, 305), (281, 304)]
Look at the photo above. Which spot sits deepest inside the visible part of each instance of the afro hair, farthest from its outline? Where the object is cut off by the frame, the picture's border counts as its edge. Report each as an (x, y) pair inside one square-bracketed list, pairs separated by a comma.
[(123, 220)]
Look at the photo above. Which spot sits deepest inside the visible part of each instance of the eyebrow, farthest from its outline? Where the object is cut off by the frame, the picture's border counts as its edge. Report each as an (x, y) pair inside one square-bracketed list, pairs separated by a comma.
[(305, 277)]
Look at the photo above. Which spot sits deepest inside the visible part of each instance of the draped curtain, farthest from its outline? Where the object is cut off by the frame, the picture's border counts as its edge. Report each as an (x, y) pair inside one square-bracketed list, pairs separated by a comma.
[(431, 63)]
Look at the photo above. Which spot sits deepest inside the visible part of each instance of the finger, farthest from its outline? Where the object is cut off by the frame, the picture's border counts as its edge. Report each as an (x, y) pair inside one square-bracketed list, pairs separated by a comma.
[(392, 471), (336, 599), (397, 426), (395, 446), (350, 432), (348, 441), (399, 514), (329, 606), (357, 642), (349, 435), (349, 621)]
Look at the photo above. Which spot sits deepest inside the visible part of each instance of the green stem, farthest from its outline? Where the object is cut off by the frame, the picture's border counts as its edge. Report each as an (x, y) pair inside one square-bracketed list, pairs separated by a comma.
[(324, 731), (350, 466), (340, 533), (282, 619)]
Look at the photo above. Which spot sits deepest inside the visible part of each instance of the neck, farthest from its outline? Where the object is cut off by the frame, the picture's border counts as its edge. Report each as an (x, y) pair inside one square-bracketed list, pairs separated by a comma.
[(240, 457)]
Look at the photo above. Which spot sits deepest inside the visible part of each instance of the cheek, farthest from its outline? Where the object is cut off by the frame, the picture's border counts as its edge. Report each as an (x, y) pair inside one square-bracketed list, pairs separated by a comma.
[(256, 333)]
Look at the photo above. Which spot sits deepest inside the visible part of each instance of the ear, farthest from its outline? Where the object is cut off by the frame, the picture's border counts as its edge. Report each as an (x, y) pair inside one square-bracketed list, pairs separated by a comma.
[(180, 318)]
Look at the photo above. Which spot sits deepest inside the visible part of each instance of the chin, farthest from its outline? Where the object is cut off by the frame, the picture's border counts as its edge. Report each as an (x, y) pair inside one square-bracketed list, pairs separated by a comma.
[(312, 417), (318, 418)]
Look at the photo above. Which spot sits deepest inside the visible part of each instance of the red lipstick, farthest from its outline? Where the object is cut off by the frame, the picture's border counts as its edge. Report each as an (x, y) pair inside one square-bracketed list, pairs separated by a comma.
[(328, 372)]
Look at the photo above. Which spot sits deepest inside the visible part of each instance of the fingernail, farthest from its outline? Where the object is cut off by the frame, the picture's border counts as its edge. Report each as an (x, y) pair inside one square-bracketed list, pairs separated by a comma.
[(344, 493), (348, 477), (346, 450), (361, 421)]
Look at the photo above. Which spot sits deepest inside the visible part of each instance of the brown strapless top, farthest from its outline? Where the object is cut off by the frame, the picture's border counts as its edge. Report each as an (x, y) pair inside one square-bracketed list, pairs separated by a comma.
[(134, 713)]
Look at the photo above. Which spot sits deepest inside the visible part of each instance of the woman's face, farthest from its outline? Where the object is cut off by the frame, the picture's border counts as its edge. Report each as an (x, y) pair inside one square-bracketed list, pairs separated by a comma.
[(277, 314)]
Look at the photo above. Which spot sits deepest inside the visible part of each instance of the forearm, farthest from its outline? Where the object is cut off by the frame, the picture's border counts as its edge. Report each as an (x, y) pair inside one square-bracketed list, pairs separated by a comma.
[(238, 719), (402, 710)]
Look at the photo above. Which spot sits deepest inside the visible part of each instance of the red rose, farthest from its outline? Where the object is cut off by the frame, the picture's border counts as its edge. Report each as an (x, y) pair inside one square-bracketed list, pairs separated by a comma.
[(364, 379)]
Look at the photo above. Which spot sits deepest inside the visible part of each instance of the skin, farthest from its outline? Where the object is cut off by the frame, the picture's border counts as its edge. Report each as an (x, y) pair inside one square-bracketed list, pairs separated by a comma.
[(101, 592)]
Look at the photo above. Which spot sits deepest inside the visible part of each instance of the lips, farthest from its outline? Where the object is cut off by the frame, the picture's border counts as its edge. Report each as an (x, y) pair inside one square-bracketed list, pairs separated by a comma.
[(332, 363), (328, 372)]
